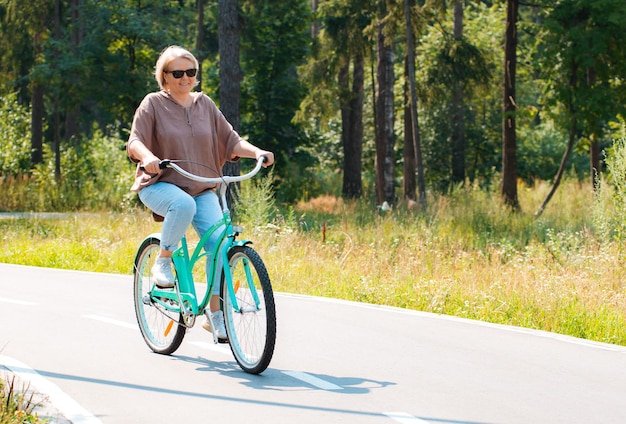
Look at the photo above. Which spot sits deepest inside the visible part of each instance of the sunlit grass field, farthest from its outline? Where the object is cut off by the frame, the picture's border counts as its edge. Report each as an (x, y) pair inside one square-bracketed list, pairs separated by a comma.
[(465, 256)]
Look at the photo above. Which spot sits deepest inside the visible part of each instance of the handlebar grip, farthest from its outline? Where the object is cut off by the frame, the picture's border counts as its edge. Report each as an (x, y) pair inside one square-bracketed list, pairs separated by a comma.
[(162, 165)]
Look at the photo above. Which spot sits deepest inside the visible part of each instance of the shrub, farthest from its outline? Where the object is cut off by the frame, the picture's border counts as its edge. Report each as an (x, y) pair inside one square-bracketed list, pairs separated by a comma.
[(609, 212), (16, 406), (15, 146)]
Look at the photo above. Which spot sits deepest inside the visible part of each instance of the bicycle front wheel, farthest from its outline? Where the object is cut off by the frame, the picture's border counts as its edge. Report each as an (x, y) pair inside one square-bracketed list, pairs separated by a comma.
[(251, 329), (162, 329)]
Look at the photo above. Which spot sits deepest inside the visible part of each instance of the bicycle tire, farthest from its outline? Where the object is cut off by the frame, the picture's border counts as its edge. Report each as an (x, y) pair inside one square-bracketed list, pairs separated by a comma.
[(251, 333), (162, 330)]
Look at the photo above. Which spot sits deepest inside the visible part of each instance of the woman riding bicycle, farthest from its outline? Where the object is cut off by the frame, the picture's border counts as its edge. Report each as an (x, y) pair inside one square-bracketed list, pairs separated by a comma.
[(176, 123)]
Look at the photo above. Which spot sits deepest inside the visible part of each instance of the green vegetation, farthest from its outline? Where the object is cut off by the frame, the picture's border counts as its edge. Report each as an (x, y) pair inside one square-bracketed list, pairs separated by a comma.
[(310, 78), (16, 404), (466, 256)]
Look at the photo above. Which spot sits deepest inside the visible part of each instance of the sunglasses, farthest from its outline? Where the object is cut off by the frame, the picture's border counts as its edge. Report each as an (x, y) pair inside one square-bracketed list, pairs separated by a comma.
[(179, 74)]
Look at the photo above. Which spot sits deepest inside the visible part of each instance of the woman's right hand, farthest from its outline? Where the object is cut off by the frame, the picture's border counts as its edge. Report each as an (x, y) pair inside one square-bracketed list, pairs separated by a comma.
[(151, 165)]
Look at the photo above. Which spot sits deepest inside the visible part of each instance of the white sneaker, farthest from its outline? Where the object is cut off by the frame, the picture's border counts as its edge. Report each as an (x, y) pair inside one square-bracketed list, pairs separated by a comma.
[(162, 273), (218, 320)]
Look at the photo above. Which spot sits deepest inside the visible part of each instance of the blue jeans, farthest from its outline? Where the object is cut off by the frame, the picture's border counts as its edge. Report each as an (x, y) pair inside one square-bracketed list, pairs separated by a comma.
[(181, 210)]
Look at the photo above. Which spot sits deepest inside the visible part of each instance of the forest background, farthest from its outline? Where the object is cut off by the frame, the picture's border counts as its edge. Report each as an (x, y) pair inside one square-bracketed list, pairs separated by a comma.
[(464, 117)]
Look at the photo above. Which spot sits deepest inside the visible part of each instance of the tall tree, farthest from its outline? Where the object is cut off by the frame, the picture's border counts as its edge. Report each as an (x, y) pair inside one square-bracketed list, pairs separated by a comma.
[(584, 60), (412, 152), (509, 136), (458, 112), (77, 29), (352, 124), (200, 35), (271, 88), (230, 70), (384, 114), (340, 49), (28, 22)]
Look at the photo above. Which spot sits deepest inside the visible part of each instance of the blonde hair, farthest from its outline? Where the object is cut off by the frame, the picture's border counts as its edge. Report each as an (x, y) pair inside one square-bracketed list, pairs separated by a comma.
[(167, 55)]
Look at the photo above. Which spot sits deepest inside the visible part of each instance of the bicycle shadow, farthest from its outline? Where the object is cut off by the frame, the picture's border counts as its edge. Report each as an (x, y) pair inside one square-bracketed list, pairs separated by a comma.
[(287, 380)]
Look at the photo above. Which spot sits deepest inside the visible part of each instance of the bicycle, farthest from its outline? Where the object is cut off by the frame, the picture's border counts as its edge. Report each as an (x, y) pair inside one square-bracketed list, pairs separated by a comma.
[(246, 295)]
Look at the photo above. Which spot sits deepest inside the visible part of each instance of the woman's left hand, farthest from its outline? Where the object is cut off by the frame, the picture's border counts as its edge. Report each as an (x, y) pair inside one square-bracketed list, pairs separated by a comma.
[(269, 157)]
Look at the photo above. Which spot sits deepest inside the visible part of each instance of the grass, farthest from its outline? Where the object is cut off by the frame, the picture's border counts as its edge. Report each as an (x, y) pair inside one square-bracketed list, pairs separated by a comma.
[(466, 256), (17, 405)]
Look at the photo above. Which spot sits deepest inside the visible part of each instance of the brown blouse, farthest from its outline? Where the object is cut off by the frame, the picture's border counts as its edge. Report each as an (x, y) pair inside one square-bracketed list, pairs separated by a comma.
[(200, 134)]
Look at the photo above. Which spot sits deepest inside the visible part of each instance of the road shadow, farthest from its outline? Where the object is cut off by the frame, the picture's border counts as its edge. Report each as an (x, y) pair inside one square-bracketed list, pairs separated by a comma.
[(286, 380), (261, 381)]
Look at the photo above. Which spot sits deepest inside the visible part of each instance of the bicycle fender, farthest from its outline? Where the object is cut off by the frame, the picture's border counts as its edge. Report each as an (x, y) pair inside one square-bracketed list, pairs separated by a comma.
[(242, 242), (152, 236), (144, 242)]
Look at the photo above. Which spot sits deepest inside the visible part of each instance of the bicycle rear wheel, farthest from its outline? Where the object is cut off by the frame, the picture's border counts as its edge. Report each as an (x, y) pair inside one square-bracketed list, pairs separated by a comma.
[(251, 329), (161, 329)]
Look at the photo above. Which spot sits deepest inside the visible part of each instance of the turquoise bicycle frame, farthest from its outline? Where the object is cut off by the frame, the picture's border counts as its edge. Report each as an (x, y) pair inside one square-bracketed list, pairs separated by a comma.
[(185, 294)]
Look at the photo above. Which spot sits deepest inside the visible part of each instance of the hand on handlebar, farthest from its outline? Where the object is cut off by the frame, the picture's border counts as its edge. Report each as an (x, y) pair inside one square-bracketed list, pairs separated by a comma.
[(269, 158), (151, 166)]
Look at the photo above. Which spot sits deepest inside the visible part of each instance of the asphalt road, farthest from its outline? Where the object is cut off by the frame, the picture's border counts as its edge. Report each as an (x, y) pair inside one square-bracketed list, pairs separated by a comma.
[(73, 335)]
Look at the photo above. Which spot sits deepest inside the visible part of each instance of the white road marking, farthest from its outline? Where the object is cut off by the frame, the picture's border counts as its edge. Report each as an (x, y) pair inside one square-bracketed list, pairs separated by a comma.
[(404, 418), (61, 401), (17, 302), (112, 321), (312, 380)]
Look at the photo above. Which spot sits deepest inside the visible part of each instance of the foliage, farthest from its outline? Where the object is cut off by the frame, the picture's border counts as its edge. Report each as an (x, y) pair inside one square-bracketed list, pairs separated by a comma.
[(583, 59), (465, 256), (271, 91), (95, 60), (115, 59), (16, 405), (540, 151), (255, 203), (441, 62), (96, 175), (15, 140), (609, 210)]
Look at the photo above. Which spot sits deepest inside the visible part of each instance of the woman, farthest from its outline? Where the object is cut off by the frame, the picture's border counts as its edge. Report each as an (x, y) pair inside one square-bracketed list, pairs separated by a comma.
[(176, 123)]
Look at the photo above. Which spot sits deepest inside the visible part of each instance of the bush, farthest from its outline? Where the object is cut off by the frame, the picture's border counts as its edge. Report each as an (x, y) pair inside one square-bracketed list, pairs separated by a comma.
[(609, 212), (15, 146), (16, 406), (255, 203), (95, 175)]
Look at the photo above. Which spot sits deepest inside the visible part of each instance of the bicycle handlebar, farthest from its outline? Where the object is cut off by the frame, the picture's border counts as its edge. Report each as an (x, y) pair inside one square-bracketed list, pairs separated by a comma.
[(227, 179)]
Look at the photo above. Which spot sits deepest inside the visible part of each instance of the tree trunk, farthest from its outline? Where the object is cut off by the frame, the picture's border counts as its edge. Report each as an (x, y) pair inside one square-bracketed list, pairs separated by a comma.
[(72, 112), (561, 171), (594, 147), (352, 129), (37, 102), (412, 144), (409, 185), (509, 142), (315, 25), (56, 119), (199, 40), (343, 84), (594, 157), (458, 115), (570, 144), (230, 71), (385, 187), (36, 124), (56, 141), (230, 77)]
